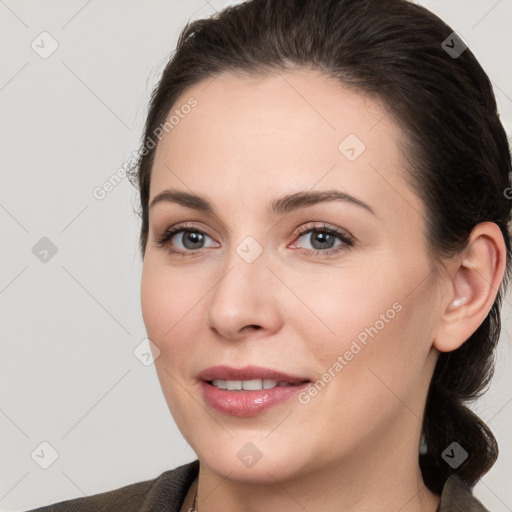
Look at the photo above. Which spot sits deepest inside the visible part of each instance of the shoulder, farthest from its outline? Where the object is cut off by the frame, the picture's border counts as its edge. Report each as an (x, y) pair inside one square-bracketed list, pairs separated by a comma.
[(164, 493), (458, 497)]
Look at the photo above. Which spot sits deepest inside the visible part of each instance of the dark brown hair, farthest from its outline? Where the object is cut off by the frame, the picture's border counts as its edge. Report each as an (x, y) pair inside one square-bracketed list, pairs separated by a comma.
[(457, 151)]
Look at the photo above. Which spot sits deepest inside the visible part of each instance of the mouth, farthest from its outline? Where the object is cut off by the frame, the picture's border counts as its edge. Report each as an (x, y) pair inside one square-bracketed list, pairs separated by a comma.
[(249, 378), (248, 391), (251, 384)]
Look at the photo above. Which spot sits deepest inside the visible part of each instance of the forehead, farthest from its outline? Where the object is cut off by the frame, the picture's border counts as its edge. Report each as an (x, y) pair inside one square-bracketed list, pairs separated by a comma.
[(253, 137)]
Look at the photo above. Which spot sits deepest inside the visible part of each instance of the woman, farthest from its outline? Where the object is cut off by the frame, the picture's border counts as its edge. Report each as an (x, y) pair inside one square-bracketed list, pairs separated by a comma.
[(326, 248)]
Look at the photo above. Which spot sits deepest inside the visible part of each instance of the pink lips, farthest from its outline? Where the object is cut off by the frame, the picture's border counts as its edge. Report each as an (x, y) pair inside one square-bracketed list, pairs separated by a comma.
[(245, 403)]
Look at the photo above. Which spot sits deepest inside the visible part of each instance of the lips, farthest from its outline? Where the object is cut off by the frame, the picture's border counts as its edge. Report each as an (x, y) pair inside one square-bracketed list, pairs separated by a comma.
[(242, 402), (223, 372)]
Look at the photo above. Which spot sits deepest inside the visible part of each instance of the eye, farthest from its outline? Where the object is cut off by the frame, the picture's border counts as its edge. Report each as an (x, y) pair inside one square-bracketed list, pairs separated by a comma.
[(180, 239), (322, 240)]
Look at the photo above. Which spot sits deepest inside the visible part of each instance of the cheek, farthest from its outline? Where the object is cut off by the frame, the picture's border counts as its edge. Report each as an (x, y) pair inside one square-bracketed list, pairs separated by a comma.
[(154, 303), (170, 308), (358, 323), (170, 303), (342, 306)]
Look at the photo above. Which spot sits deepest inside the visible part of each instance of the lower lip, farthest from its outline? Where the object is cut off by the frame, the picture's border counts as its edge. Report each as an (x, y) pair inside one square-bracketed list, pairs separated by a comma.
[(248, 403)]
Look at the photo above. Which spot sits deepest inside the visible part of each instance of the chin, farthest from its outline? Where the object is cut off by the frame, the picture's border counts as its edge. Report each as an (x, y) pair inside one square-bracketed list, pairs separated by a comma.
[(253, 459), (265, 471)]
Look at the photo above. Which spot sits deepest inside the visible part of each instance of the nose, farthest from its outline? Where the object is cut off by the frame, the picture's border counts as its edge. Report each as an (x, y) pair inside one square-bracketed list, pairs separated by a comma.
[(244, 301)]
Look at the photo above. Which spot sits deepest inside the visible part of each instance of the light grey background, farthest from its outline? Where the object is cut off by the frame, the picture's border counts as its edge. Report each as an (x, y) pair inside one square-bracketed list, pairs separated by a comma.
[(69, 326)]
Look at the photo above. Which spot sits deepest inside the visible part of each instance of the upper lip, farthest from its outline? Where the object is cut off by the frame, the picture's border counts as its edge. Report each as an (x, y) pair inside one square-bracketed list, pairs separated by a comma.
[(224, 372)]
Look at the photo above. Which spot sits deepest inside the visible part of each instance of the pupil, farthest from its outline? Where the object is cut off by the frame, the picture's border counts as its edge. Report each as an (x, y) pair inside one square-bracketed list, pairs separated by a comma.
[(192, 240), (325, 240)]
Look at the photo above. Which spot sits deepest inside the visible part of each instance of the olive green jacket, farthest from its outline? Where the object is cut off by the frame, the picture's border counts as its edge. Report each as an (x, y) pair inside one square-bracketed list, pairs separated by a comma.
[(167, 492)]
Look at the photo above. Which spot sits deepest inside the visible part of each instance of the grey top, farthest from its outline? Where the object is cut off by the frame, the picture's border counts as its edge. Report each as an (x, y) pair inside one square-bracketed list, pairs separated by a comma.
[(166, 493)]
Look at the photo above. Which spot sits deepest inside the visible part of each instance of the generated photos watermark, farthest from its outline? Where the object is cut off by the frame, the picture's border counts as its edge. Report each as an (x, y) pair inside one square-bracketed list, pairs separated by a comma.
[(357, 345), (100, 192)]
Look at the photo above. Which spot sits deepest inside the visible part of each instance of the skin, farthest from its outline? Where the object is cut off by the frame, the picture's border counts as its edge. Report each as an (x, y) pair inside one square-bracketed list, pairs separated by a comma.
[(354, 446)]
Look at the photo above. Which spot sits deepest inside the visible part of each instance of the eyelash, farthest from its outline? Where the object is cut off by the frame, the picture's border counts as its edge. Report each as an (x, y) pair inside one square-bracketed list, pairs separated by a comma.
[(348, 240)]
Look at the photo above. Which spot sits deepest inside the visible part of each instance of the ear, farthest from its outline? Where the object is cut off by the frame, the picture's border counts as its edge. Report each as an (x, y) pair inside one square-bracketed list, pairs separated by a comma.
[(474, 281)]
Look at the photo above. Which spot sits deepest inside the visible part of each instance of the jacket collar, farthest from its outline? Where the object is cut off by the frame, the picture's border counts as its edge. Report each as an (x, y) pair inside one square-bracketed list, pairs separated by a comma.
[(457, 497)]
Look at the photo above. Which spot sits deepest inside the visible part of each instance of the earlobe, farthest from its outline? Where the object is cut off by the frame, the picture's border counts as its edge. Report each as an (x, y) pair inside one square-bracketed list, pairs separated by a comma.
[(475, 281)]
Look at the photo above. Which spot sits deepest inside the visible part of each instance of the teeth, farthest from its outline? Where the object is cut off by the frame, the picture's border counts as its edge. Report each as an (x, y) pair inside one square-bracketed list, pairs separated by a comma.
[(248, 385), (234, 385), (269, 383), (252, 385)]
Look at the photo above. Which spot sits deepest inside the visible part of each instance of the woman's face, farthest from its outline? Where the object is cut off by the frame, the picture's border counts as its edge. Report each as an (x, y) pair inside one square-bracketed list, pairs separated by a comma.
[(277, 272)]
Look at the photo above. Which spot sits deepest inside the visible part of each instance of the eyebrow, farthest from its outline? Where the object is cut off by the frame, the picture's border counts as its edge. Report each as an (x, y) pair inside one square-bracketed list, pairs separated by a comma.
[(279, 206)]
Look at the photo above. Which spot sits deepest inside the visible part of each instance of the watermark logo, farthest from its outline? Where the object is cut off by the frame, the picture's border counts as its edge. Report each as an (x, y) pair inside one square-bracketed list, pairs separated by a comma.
[(44, 455), (351, 147), (44, 250), (45, 45), (249, 454), (249, 249), (146, 352), (454, 46), (454, 455)]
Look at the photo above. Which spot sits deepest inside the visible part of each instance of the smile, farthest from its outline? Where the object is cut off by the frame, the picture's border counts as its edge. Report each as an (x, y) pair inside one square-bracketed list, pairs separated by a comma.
[(249, 385)]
